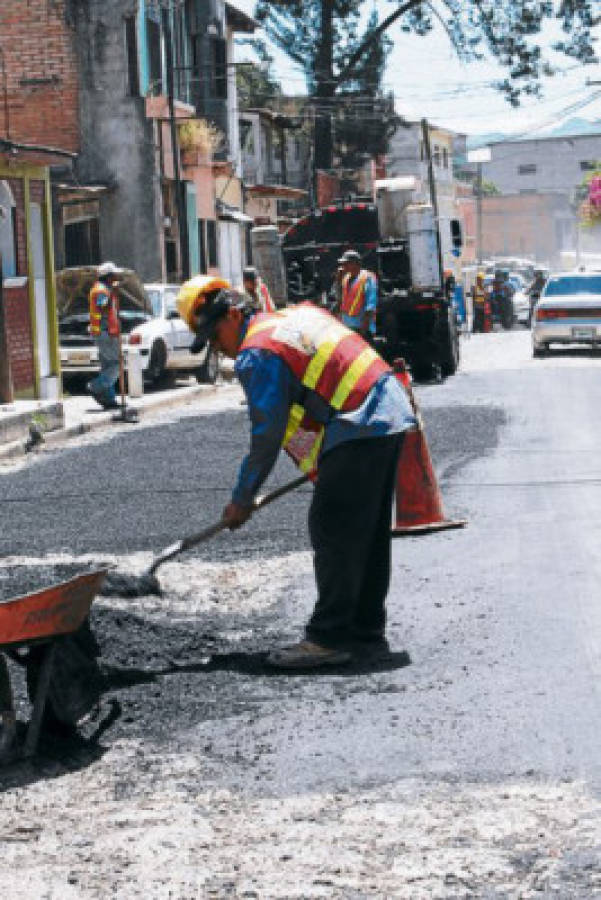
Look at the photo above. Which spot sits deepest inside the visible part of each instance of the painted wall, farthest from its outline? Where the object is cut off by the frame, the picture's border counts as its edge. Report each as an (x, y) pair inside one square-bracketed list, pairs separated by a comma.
[(543, 165), (537, 226)]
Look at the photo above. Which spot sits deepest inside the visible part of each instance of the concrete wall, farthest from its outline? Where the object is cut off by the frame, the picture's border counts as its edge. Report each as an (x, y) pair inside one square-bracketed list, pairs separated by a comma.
[(117, 140), (537, 226), (558, 163), (405, 157)]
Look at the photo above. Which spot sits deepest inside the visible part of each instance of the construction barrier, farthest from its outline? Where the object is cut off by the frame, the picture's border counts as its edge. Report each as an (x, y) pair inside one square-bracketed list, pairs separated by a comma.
[(418, 501)]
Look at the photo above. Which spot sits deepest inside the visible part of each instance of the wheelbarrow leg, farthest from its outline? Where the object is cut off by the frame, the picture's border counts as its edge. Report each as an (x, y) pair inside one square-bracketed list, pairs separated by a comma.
[(8, 727), (41, 692)]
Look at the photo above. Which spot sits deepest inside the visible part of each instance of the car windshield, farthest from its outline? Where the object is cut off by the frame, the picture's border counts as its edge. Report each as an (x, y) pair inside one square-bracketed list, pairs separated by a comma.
[(158, 296), (155, 301), (170, 298), (573, 284)]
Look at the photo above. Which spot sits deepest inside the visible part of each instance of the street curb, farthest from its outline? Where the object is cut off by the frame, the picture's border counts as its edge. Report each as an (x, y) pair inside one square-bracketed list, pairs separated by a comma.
[(16, 449)]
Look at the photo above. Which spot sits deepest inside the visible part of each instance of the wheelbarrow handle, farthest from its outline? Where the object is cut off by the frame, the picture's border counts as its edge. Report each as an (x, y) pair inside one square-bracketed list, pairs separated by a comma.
[(194, 539)]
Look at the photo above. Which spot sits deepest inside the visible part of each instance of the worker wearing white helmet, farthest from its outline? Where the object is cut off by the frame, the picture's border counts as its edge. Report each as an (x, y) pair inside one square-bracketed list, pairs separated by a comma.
[(106, 330)]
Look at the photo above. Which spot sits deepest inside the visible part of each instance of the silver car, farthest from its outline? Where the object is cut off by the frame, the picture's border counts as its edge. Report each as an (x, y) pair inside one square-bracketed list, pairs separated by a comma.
[(568, 312)]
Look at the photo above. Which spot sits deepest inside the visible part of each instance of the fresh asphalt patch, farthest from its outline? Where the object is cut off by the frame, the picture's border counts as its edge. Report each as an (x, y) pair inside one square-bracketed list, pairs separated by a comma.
[(150, 487)]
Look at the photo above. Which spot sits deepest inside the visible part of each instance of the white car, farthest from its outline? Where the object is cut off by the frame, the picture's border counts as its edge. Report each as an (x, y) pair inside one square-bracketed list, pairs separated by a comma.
[(164, 341), (520, 299), (568, 312)]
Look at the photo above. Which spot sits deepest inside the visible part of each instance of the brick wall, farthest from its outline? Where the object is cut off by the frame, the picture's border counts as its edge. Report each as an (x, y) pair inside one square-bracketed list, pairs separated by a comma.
[(20, 345), (39, 53)]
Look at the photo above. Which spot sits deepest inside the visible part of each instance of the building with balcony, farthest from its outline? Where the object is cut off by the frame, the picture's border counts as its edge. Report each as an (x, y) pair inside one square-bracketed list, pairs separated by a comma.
[(275, 165)]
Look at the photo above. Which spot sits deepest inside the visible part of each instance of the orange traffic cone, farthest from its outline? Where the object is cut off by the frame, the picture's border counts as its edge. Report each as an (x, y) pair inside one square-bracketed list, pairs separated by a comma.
[(418, 501)]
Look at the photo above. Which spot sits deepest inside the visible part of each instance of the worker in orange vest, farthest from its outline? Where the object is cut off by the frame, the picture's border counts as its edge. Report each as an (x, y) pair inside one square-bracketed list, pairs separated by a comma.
[(256, 288), (479, 303), (318, 390), (359, 299), (105, 328)]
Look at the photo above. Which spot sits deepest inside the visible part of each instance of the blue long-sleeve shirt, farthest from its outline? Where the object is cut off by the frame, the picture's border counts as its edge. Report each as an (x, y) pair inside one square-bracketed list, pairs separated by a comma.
[(271, 388), (370, 305)]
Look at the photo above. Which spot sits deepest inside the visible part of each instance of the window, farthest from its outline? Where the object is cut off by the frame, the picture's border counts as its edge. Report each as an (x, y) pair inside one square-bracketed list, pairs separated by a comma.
[(153, 39), (587, 165), (246, 137), (82, 243), (220, 68), (527, 169), (436, 155), (171, 260), (8, 242), (212, 243), (202, 246), (131, 48), (445, 158), (573, 284)]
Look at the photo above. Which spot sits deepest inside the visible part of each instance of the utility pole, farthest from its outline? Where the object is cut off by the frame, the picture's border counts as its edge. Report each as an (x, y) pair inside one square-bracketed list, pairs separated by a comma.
[(6, 382), (480, 156), (182, 212), (433, 195)]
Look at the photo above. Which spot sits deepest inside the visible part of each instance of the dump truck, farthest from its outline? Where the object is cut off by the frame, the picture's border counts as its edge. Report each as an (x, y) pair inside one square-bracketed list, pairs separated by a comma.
[(402, 240)]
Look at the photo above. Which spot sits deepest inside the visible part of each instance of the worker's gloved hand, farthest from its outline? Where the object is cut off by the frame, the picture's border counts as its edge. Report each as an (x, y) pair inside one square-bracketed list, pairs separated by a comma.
[(234, 515)]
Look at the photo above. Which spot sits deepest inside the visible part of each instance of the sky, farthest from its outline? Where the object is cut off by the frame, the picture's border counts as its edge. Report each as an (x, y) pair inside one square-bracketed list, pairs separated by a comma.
[(429, 81)]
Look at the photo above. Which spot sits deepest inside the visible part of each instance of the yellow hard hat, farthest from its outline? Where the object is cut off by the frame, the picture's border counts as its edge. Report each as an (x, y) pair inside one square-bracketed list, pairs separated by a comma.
[(480, 276), (192, 295)]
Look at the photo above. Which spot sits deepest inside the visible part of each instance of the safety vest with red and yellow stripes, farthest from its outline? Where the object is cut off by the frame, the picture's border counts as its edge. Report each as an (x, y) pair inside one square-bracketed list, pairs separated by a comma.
[(267, 304), (353, 295), (96, 312), (326, 357)]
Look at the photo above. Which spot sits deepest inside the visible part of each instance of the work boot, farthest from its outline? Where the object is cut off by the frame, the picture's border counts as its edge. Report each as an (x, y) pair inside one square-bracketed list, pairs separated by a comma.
[(98, 396), (8, 736), (307, 655)]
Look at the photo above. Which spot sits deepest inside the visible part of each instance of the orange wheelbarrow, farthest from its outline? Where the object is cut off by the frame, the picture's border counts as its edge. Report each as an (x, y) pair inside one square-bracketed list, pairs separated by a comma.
[(42, 618)]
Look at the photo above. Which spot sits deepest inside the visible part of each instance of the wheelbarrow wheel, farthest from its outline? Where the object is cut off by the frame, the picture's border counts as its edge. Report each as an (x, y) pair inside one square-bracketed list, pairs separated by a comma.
[(76, 681)]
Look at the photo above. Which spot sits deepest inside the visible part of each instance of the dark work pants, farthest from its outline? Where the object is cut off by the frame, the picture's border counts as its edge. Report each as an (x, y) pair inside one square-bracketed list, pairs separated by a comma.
[(349, 526)]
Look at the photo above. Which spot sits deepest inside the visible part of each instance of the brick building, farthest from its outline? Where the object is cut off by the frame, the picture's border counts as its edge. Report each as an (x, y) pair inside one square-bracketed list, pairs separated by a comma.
[(111, 81)]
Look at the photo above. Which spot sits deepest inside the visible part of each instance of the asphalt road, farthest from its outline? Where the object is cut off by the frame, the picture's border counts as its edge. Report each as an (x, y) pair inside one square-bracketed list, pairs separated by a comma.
[(465, 764)]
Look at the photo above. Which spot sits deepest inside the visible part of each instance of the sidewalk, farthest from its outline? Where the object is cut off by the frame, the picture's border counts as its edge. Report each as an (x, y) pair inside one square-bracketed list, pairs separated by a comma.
[(72, 416)]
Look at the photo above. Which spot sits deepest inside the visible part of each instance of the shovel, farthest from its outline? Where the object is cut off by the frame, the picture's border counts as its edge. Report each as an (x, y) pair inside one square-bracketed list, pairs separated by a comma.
[(126, 413), (121, 585)]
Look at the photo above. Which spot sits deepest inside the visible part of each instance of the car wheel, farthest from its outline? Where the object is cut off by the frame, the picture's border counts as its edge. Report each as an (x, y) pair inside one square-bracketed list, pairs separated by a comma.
[(208, 372), (540, 351), (156, 371)]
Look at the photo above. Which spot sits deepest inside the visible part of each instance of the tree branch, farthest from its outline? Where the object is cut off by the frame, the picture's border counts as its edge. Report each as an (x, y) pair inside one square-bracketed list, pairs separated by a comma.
[(348, 71)]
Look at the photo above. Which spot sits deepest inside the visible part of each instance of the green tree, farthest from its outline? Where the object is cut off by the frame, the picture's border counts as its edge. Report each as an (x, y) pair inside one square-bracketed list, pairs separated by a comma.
[(326, 39), (256, 84)]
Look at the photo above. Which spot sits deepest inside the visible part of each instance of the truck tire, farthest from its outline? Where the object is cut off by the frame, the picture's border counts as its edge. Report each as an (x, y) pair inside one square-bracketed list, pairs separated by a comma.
[(449, 345)]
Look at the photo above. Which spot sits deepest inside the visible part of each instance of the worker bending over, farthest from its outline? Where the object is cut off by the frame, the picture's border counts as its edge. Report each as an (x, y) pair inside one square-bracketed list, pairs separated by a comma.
[(320, 391), (359, 295)]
